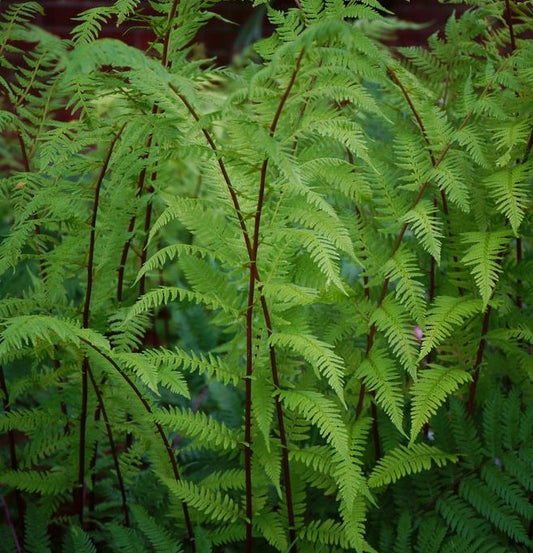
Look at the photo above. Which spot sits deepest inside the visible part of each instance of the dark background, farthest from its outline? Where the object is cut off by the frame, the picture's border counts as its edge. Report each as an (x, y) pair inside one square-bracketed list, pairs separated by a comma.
[(220, 38)]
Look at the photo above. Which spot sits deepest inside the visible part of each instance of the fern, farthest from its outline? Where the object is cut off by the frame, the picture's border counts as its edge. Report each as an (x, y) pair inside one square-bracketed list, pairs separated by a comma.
[(225, 289), (484, 255), (430, 391), (403, 460)]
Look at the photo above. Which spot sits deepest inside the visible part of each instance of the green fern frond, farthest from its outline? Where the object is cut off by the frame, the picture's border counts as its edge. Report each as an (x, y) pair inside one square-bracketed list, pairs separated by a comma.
[(392, 319), (430, 391), (214, 504), (141, 366), (169, 253), (322, 412), (91, 21), (484, 256), (45, 482), (167, 294), (206, 431), (323, 253), (326, 532), (160, 539), (483, 501), (36, 330), (403, 461), (445, 313), (80, 541), (450, 178), (318, 354), (508, 490), (403, 271), (272, 527), (37, 538), (381, 376), (510, 191), (426, 227), (213, 366)]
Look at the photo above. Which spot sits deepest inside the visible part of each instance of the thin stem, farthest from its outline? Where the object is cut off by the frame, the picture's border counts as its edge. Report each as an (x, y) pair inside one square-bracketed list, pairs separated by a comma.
[(142, 176), (222, 167), (92, 237), (479, 359), (394, 77), (248, 410), (79, 492), (36, 227), (160, 431), (144, 250), (131, 227), (281, 427), (13, 460), (266, 313), (249, 315), (518, 298), (509, 18), (11, 525), (112, 447)]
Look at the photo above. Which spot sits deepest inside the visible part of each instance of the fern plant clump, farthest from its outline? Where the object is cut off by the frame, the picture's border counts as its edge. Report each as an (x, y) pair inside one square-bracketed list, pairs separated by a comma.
[(283, 306)]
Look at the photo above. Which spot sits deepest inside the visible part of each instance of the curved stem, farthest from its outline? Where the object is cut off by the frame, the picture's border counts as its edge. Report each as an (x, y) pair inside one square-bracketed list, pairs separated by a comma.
[(479, 359), (11, 526), (160, 431), (13, 460), (112, 447), (36, 227), (509, 18), (249, 314), (252, 252), (79, 492), (131, 226), (222, 167), (142, 177)]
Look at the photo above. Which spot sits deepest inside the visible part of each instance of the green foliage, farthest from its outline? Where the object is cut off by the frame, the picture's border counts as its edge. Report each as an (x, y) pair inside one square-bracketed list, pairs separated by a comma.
[(277, 306)]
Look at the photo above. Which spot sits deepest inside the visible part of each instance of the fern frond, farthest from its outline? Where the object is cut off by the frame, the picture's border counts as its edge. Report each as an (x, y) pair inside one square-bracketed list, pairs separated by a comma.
[(272, 527), (167, 294), (206, 430), (45, 482), (37, 538), (213, 366), (80, 540), (426, 226), (321, 251), (450, 178), (445, 313), (318, 354), (403, 461), (510, 190), (482, 499), (91, 21), (381, 376), (403, 271), (484, 257), (391, 319), (214, 504), (160, 539), (430, 391), (322, 412)]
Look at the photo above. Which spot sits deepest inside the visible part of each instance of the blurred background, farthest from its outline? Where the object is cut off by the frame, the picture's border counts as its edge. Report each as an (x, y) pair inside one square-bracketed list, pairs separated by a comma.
[(226, 40)]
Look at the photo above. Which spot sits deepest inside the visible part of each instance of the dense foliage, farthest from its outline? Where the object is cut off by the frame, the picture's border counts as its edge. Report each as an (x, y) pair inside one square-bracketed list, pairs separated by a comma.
[(279, 307)]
